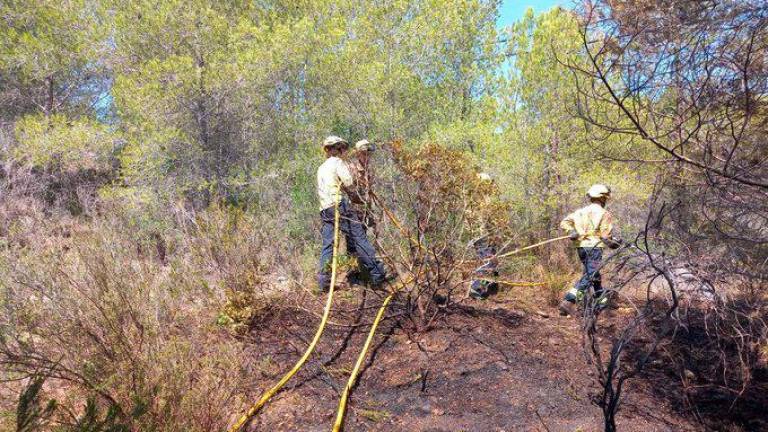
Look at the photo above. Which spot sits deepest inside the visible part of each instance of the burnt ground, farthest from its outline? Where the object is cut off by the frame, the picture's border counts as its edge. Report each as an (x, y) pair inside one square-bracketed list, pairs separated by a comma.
[(487, 366)]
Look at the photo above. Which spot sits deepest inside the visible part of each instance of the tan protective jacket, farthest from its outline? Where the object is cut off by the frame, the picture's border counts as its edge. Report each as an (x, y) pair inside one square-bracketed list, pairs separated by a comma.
[(361, 194), (363, 183), (592, 222), (332, 175), (487, 217)]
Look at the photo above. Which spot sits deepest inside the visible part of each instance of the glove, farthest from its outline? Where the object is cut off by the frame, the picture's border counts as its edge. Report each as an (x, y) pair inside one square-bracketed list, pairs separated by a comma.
[(573, 235), (369, 220), (613, 243)]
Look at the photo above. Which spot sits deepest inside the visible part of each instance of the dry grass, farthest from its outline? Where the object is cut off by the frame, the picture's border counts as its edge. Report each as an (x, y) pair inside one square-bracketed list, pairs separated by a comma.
[(130, 320)]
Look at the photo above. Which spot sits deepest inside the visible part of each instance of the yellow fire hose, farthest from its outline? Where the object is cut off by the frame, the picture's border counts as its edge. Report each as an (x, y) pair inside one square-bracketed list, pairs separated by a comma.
[(515, 283), (400, 227), (339, 424), (535, 245), (272, 391)]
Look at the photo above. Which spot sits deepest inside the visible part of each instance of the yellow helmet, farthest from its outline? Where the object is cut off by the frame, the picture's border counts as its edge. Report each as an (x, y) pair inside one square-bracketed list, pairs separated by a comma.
[(599, 191)]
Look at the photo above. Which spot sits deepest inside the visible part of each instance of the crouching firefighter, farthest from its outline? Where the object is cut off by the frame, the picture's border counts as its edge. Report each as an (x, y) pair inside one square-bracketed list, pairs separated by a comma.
[(590, 228), (484, 243), (334, 179)]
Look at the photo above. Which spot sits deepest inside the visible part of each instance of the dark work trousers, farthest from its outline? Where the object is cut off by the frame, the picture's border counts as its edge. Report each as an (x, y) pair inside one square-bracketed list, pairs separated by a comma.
[(357, 244), (591, 259), (482, 287)]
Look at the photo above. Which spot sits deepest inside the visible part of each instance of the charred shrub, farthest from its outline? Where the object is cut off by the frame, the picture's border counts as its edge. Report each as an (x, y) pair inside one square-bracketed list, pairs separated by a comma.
[(443, 209)]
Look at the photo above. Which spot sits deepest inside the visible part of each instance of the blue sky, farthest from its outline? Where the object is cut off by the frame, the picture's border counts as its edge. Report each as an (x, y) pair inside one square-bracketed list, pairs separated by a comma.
[(513, 10)]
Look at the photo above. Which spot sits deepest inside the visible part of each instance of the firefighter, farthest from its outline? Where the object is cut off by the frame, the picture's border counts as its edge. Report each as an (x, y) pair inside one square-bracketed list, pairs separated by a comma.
[(361, 199), (590, 228), (362, 172), (484, 243), (334, 183)]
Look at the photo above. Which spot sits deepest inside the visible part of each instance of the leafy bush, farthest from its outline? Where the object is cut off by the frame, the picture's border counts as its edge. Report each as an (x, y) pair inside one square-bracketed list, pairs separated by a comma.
[(63, 143)]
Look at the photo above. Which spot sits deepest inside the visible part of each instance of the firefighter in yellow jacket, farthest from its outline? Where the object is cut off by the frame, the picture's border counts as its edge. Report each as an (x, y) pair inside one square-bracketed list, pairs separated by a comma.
[(591, 229)]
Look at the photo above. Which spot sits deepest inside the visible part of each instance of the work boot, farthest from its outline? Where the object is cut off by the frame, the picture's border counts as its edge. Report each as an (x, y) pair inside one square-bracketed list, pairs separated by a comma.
[(476, 295), (567, 308), (355, 278), (478, 290), (602, 303), (440, 300), (377, 284), (493, 289)]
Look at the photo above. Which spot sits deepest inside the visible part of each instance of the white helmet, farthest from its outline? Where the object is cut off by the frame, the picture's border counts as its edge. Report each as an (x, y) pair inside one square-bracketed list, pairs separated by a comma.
[(365, 145), (599, 191), (333, 140), (484, 177)]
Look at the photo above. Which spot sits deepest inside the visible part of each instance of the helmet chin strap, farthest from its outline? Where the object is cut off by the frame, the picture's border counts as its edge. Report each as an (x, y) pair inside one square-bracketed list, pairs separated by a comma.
[(603, 201)]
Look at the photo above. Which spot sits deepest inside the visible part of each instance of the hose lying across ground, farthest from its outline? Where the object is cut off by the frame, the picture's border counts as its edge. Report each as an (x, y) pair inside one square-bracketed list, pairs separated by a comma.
[(326, 312), (338, 425), (339, 422)]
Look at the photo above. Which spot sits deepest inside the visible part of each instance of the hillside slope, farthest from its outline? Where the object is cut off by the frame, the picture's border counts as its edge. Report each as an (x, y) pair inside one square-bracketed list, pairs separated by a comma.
[(486, 367)]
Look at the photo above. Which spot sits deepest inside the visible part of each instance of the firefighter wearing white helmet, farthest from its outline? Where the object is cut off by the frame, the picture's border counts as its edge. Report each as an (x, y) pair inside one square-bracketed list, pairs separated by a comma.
[(335, 141), (591, 229), (484, 177), (362, 171), (484, 241), (362, 195), (599, 191), (365, 146), (334, 181)]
